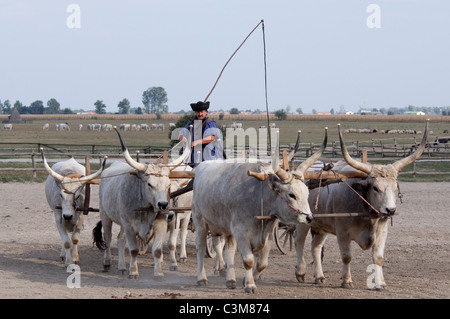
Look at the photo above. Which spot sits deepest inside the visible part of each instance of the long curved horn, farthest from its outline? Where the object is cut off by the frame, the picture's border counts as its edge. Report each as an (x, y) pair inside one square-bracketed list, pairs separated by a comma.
[(411, 158), (366, 168), (186, 153), (86, 179), (297, 144), (51, 172), (136, 165), (303, 167), (281, 173)]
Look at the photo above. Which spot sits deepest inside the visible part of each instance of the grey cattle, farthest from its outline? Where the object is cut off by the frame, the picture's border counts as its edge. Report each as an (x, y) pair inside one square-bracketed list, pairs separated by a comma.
[(135, 196), (64, 189), (369, 229), (227, 201), (180, 221)]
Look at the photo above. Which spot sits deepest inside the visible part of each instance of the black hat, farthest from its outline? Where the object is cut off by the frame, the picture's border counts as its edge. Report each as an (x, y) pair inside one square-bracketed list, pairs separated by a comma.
[(200, 106)]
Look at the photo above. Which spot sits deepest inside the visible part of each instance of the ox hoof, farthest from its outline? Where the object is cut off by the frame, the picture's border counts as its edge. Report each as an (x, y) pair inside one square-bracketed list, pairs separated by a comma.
[(250, 290), (202, 282), (320, 281), (300, 278), (106, 268), (347, 285), (183, 259), (173, 268), (122, 272), (231, 284), (158, 278), (380, 288), (135, 276)]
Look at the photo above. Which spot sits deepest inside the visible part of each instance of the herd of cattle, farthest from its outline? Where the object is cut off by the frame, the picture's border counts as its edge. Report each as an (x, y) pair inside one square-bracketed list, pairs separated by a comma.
[(99, 127), (237, 202)]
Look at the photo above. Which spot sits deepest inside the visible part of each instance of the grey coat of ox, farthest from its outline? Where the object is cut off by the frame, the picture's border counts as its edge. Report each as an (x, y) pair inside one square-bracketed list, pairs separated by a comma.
[(135, 196), (368, 230), (227, 201), (64, 189)]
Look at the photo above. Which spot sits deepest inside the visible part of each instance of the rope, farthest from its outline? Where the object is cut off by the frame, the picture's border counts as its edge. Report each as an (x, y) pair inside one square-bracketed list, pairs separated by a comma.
[(262, 21)]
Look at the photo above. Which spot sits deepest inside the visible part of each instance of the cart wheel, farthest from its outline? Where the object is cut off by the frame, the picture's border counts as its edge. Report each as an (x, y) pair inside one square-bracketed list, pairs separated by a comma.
[(284, 237), (210, 252)]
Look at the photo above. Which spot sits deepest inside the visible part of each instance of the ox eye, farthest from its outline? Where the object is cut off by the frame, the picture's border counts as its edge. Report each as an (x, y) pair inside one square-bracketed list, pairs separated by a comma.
[(376, 189), (150, 185), (292, 196)]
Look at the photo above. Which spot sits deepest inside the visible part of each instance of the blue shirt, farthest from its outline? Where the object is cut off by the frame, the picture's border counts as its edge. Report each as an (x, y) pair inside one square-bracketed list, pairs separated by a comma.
[(210, 151)]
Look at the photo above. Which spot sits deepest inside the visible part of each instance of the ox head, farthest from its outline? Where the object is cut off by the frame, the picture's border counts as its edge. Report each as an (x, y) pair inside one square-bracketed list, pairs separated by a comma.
[(380, 186), (72, 190), (290, 186), (155, 177)]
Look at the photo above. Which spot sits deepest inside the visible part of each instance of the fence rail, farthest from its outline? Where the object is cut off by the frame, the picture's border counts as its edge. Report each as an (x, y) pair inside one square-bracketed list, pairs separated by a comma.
[(376, 151)]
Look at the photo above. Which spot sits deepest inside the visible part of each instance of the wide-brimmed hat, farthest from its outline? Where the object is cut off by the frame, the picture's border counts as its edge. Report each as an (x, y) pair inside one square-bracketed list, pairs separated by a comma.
[(200, 106)]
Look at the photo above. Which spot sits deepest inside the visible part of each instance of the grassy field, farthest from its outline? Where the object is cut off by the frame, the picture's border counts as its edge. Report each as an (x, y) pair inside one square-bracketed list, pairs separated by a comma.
[(312, 127)]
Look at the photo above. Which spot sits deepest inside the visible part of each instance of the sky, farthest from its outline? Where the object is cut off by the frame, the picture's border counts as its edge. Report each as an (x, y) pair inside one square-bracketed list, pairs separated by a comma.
[(321, 54)]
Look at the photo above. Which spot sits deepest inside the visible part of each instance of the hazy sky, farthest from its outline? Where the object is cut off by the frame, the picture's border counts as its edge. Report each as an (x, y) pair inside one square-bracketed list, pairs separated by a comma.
[(321, 54)]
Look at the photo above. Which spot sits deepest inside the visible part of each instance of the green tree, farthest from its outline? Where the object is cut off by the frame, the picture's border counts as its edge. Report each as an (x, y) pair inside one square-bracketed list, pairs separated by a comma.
[(299, 110), (7, 107), (124, 106), (234, 110), (37, 107), (280, 114), (52, 107), (100, 107), (154, 100)]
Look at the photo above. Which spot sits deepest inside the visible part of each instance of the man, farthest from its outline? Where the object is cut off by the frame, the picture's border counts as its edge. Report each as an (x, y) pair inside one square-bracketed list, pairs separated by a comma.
[(206, 136)]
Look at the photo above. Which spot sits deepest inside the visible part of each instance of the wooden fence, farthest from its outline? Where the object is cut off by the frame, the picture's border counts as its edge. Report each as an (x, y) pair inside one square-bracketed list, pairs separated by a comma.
[(377, 151)]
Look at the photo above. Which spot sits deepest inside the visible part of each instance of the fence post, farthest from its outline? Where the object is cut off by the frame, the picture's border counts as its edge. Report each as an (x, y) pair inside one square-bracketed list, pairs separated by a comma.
[(33, 164)]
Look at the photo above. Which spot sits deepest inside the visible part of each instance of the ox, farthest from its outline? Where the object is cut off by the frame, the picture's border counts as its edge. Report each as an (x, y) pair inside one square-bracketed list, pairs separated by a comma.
[(64, 189), (368, 229), (7, 127), (227, 199), (135, 196), (179, 222)]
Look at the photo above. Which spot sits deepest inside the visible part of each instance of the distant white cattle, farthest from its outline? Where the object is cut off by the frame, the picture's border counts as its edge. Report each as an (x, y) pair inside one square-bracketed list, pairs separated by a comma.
[(7, 126), (45, 127)]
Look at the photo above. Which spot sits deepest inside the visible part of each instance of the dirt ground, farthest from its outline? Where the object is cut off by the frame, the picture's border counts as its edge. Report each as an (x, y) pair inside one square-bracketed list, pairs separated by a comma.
[(417, 257)]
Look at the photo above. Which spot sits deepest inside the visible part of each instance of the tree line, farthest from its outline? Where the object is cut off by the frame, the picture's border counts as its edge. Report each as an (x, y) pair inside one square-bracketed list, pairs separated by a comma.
[(154, 101)]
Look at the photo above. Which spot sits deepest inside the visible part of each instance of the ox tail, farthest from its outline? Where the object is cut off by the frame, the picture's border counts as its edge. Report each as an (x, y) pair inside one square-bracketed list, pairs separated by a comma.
[(97, 235)]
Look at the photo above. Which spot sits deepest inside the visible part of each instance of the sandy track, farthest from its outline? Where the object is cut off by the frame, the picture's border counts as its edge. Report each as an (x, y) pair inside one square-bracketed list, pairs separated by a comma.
[(416, 266)]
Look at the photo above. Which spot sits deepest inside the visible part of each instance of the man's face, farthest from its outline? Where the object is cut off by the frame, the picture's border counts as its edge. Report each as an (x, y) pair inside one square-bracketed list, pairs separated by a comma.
[(201, 114)]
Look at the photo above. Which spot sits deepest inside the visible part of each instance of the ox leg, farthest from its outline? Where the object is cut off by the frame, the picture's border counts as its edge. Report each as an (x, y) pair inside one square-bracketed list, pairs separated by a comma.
[(107, 234), (249, 260), (262, 260), (378, 256), (346, 255), (121, 245), (66, 249), (159, 229), (174, 229), (317, 242), (301, 231), (133, 247), (76, 238), (219, 264), (202, 233), (230, 252), (184, 223)]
